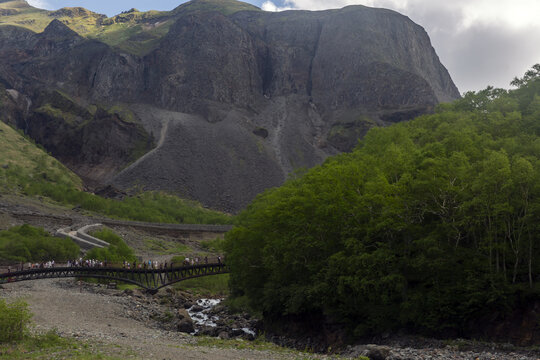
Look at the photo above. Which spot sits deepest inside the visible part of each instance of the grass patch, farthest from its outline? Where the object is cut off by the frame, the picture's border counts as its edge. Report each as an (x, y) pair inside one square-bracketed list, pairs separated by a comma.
[(260, 344), (17, 343), (149, 207), (214, 246), (207, 286), (27, 169), (22, 161), (226, 7), (117, 252), (123, 286), (134, 32), (163, 247), (51, 346)]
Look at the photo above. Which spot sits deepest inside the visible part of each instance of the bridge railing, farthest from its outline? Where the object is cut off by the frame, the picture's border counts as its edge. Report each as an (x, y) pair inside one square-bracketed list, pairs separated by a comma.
[(108, 267), (149, 278), (131, 266)]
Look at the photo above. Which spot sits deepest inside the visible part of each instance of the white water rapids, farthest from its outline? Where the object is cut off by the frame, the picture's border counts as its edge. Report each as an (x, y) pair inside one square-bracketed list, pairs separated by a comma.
[(203, 318)]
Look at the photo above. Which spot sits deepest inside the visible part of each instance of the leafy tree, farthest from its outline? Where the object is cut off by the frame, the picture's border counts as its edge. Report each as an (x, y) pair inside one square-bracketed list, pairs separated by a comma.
[(426, 225)]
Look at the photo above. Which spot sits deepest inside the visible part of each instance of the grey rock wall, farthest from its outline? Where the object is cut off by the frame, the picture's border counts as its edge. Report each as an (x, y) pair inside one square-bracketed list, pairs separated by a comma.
[(247, 97)]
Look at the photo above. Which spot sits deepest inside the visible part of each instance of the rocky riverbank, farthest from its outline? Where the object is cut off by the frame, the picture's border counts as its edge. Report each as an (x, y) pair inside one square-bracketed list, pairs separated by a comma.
[(176, 311), (148, 326)]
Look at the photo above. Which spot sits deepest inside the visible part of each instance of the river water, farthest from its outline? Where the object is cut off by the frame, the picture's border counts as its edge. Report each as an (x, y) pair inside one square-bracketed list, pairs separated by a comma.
[(204, 318)]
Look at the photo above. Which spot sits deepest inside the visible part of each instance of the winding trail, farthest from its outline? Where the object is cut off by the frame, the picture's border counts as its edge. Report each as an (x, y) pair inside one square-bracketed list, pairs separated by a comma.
[(162, 136)]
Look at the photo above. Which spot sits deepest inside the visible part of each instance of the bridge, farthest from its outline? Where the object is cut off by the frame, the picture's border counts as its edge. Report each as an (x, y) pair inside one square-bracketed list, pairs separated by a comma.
[(150, 279)]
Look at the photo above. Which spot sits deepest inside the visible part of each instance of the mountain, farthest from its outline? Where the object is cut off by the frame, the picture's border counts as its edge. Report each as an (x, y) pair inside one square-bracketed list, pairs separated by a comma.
[(21, 161), (215, 100)]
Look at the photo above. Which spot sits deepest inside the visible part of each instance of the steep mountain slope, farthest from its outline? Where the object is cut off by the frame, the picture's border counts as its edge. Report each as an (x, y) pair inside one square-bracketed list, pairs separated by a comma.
[(245, 96), (20, 158)]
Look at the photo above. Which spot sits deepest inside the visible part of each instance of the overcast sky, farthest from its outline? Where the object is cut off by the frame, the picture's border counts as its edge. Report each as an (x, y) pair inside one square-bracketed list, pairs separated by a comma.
[(481, 42)]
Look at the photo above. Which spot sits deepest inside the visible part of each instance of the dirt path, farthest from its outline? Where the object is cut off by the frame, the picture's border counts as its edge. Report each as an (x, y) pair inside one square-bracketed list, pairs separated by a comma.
[(163, 135), (94, 317)]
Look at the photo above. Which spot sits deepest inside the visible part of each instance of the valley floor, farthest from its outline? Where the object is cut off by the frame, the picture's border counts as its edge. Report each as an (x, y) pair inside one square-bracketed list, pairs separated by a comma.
[(103, 319), (111, 322)]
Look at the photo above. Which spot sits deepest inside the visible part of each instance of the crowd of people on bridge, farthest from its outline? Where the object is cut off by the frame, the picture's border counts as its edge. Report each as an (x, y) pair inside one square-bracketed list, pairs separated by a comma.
[(197, 260), (86, 263), (93, 263)]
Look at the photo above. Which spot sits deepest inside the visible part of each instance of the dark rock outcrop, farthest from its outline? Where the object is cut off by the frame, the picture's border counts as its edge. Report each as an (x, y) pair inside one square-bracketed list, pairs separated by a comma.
[(234, 100)]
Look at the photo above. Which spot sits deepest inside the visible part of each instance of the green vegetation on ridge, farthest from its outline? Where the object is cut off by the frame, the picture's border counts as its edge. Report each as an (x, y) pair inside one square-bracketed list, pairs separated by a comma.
[(20, 158), (132, 31), (427, 225), (117, 252), (146, 207), (28, 170), (29, 244)]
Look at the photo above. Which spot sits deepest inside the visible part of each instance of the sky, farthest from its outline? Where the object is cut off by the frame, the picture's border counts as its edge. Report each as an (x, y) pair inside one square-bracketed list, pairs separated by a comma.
[(480, 42)]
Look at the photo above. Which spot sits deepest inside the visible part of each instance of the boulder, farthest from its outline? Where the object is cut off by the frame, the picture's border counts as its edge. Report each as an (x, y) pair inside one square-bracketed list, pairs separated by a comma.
[(182, 314), (185, 326), (373, 352), (197, 308), (224, 335)]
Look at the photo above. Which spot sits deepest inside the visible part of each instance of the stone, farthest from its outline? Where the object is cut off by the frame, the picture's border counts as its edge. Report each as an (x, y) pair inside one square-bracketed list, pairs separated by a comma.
[(182, 314), (197, 308), (128, 292), (237, 332), (188, 305), (224, 335), (373, 352), (185, 326)]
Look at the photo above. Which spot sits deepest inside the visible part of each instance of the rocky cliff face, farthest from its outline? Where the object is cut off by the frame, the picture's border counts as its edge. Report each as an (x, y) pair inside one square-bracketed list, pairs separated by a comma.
[(233, 98)]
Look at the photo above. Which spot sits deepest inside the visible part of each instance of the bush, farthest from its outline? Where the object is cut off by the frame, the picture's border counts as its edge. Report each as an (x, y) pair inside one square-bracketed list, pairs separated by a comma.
[(14, 321), (147, 207), (216, 245), (29, 244), (117, 252)]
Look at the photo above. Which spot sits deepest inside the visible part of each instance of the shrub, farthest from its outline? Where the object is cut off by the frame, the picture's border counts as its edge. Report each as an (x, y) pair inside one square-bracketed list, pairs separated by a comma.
[(117, 252), (30, 244), (14, 321)]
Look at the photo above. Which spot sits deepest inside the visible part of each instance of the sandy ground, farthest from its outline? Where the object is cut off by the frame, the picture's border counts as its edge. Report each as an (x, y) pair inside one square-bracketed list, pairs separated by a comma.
[(101, 318)]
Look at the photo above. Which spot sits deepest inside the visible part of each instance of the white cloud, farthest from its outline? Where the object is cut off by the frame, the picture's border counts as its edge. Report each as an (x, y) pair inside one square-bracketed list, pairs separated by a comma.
[(481, 42), (516, 13), (270, 6), (41, 4)]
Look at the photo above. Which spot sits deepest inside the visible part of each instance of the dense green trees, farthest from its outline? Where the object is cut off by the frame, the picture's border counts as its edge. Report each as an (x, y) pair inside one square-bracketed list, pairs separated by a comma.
[(29, 244), (426, 225)]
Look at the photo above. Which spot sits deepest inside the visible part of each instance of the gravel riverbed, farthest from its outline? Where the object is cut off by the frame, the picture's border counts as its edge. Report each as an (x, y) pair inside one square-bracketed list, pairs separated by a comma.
[(111, 317)]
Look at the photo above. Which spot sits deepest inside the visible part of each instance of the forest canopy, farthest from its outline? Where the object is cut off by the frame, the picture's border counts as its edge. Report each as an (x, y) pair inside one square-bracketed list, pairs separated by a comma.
[(426, 225)]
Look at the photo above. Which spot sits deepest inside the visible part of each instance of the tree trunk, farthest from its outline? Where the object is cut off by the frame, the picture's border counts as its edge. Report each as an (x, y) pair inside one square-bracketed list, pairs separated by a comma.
[(530, 259)]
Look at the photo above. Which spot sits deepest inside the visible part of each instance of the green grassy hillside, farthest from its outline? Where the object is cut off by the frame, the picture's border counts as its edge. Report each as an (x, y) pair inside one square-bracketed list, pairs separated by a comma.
[(132, 31), (22, 161), (26, 169)]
